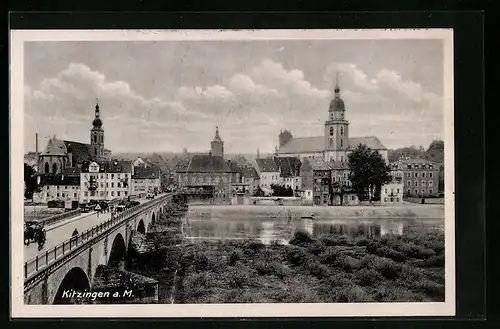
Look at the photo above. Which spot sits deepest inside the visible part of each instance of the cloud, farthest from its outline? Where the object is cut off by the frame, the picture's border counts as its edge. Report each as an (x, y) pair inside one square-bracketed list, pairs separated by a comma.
[(250, 107)]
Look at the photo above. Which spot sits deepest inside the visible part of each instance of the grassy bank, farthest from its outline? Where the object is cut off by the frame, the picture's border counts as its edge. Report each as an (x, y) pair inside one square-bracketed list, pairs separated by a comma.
[(333, 268)]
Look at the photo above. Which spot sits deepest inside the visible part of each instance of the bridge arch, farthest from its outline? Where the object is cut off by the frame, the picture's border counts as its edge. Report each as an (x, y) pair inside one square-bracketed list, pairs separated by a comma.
[(118, 251), (141, 228), (75, 280)]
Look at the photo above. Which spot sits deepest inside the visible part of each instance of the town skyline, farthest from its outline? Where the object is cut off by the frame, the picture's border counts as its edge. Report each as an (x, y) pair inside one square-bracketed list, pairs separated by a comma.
[(277, 85)]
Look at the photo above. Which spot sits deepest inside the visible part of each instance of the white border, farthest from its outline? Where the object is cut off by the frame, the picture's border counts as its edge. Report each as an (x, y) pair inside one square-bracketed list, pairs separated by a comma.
[(19, 309)]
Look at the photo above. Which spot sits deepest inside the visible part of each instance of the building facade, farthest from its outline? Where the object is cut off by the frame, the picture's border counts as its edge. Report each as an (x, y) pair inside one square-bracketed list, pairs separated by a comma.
[(269, 172), (420, 177), (316, 178), (250, 176), (146, 180), (335, 144), (391, 193), (206, 178), (106, 181)]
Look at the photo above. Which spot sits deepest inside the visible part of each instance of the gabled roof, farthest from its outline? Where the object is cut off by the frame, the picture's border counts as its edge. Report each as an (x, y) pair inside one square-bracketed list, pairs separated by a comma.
[(317, 144), (118, 166), (290, 166), (233, 166), (250, 173), (207, 163), (318, 164), (55, 147), (267, 165), (339, 165), (141, 172), (80, 151), (303, 145)]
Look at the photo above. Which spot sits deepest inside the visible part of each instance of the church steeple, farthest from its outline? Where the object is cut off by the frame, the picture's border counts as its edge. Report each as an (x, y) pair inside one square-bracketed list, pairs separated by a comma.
[(97, 135), (337, 88), (217, 144)]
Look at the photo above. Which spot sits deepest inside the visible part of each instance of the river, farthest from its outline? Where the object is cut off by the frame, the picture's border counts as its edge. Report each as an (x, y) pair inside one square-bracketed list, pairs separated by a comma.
[(216, 223)]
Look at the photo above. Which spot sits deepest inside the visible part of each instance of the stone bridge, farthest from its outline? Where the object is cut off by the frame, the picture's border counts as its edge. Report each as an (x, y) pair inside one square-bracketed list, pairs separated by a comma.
[(73, 263)]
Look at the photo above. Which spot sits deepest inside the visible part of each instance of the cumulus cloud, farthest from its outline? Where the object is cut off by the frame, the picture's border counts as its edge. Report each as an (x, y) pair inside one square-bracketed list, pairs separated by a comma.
[(250, 107)]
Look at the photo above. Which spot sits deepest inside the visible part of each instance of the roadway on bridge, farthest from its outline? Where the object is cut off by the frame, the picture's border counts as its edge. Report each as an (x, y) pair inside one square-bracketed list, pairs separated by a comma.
[(58, 233)]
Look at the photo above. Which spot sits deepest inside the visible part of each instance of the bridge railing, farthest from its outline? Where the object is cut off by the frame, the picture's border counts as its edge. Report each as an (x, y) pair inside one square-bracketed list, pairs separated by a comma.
[(48, 257)]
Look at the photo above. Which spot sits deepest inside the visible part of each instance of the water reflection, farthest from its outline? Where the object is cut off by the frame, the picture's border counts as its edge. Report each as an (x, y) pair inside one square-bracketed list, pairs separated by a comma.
[(213, 226)]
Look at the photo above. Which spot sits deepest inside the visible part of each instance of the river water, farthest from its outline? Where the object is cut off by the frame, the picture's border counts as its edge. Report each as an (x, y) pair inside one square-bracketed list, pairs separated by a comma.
[(211, 224)]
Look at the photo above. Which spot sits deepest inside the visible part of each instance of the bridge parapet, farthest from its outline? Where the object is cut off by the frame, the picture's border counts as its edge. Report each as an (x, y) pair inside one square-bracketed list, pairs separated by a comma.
[(52, 256)]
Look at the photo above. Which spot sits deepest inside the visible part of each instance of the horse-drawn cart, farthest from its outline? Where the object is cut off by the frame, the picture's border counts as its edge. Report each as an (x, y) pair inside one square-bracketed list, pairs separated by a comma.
[(34, 232)]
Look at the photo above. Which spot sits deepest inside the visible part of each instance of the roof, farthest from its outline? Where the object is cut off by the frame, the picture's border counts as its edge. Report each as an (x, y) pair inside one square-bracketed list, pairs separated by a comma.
[(317, 144), (141, 172), (118, 166), (267, 165), (72, 172), (315, 164), (403, 163), (207, 163), (80, 151), (55, 147), (233, 166), (290, 166), (250, 173), (339, 165)]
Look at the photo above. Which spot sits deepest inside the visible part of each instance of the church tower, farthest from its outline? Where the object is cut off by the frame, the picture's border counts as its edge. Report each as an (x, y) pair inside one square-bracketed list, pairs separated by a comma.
[(97, 137), (217, 144), (336, 129)]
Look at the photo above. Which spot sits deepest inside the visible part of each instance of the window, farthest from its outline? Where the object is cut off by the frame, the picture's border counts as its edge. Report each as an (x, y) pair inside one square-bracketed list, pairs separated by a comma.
[(86, 194), (397, 191), (57, 194), (416, 174), (331, 133), (423, 175), (342, 144), (74, 195), (408, 175), (385, 199), (341, 131), (112, 176), (430, 175), (397, 199), (112, 193), (408, 191), (353, 197), (423, 191), (118, 193), (102, 184), (331, 143), (416, 192), (430, 191), (118, 185), (62, 195), (423, 183), (430, 183), (112, 184), (107, 184), (102, 193), (47, 167), (385, 191), (342, 157), (416, 183)]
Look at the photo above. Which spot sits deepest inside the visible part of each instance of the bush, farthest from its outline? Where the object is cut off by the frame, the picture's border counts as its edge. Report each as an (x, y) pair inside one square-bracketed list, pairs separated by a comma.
[(316, 248), (271, 268), (296, 255), (317, 269), (351, 294), (390, 253), (195, 285), (362, 241), (329, 256), (430, 288), (388, 268), (301, 238), (434, 261), (253, 246), (368, 277), (347, 262), (337, 240), (234, 257)]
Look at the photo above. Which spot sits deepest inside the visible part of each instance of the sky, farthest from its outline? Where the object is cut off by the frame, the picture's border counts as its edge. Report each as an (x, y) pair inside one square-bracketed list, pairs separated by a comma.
[(164, 96)]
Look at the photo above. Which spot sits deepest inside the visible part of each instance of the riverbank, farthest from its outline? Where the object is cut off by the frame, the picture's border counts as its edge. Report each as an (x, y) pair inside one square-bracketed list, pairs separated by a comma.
[(411, 211), (333, 268)]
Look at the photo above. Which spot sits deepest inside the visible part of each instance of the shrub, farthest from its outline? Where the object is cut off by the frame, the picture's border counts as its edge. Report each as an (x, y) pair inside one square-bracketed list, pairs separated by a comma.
[(434, 261), (390, 253), (430, 288), (347, 262), (317, 269), (296, 255), (388, 268), (351, 294), (195, 285), (316, 248), (276, 243), (373, 246), (301, 238), (362, 241), (253, 246), (235, 256), (368, 277), (337, 240), (329, 256)]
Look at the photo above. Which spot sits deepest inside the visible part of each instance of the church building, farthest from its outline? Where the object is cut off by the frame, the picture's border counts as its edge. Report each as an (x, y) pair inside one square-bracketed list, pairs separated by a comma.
[(335, 144), (62, 154)]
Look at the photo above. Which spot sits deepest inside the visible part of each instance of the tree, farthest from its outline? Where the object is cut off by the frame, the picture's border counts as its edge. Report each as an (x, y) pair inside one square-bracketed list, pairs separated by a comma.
[(29, 181), (259, 192), (435, 152), (368, 171)]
